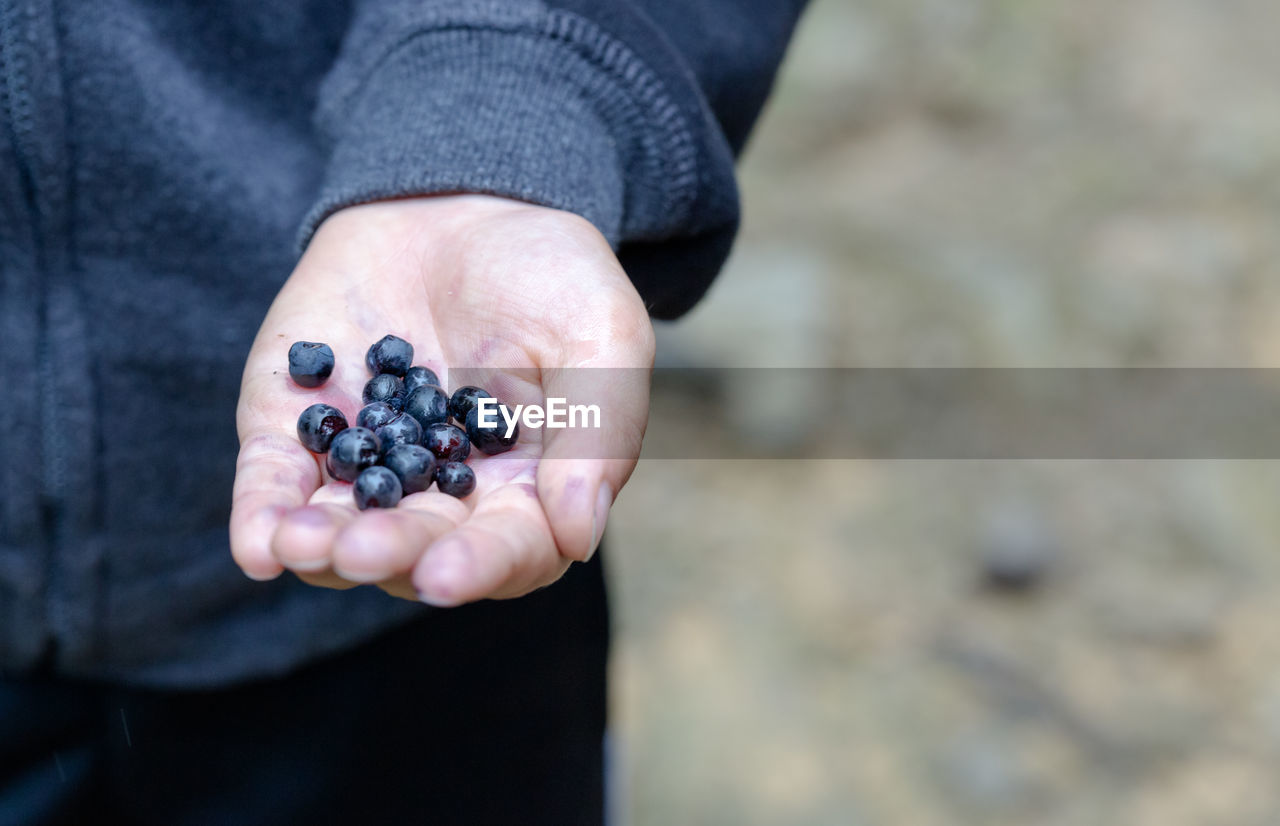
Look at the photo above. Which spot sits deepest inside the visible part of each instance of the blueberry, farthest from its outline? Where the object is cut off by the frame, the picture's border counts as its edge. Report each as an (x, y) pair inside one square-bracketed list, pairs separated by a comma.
[(417, 377), (375, 414), (448, 442), (455, 479), (310, 363), (428, 404), (317, 426), (413, 465), (377, 487), (402, 430), (389, 355), (463, 399), (352, 450), (490, 436), (384, 387)]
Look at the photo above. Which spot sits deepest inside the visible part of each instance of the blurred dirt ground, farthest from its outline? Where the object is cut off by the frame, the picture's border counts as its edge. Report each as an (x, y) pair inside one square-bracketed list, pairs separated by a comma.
[(974, 183)]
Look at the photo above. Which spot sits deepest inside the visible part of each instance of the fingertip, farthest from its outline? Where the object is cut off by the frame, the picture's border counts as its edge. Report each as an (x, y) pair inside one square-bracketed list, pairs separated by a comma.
[(262, 575), (362, 551), (303, 539), (251, 543), (505, 549), (604, 502), (333, 493), (381, 545), (573, 497), (445, 576)]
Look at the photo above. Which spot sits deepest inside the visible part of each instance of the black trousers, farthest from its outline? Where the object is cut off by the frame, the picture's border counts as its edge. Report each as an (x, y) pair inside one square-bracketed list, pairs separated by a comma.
[(489, 713)]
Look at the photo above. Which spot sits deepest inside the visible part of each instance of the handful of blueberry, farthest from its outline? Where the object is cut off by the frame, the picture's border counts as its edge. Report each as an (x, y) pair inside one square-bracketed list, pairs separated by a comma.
[(403, 439)]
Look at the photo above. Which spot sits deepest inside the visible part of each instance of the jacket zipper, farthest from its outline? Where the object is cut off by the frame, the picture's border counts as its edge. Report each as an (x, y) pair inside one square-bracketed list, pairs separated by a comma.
[(4, 85), (17, 116), (16, 104)]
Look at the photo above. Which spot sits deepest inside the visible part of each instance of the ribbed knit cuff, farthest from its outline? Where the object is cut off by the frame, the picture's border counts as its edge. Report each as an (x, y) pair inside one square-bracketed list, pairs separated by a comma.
[(548, 111)]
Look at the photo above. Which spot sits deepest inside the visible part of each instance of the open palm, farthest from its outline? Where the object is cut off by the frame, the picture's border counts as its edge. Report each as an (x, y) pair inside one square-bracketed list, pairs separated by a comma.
[(525, 292)]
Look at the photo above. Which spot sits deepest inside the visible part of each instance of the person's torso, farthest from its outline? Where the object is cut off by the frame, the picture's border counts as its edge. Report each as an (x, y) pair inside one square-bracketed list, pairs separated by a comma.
[(156, 159)]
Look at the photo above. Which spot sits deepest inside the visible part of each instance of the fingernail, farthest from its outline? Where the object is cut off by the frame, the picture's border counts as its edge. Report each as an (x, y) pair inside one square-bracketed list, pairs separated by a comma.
[(604, 501), (308, 566), (445, 572)]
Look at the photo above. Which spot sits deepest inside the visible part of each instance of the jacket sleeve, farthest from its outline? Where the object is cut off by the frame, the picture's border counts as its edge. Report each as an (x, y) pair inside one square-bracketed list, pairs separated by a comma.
[(627, 112)]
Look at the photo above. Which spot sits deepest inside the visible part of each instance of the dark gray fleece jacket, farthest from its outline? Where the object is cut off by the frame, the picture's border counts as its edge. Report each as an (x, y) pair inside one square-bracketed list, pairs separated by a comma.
[(161, 164)]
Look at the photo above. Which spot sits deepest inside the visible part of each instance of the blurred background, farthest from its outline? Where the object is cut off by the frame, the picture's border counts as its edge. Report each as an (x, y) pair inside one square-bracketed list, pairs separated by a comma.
[(981, 183)]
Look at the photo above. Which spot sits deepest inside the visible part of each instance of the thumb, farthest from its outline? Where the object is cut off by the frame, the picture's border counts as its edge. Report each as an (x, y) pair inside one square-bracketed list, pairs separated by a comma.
[(586, 462)]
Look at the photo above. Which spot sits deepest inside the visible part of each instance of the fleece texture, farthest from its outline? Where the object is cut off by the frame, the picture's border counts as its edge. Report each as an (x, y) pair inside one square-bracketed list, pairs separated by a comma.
[(162, 164)]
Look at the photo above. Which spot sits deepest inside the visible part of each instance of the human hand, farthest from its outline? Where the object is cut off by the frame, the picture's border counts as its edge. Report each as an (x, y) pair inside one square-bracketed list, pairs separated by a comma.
[(470, 281)]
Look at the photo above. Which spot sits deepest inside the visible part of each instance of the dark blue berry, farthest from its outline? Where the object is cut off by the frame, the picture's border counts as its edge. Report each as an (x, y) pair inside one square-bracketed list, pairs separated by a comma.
[(490, 436), (402, 430), (447, 442), (428, 404), (417, 377), (389, 355), (375, 414), (463, 400), (351, 451), (413, 465), (310, 363), (384, 387), (377, 487), (455, 479), (317, 426)]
